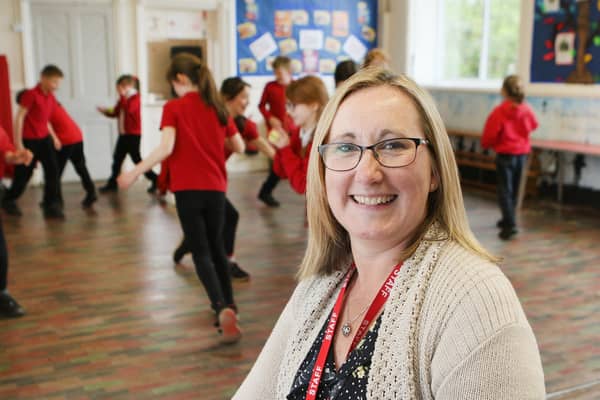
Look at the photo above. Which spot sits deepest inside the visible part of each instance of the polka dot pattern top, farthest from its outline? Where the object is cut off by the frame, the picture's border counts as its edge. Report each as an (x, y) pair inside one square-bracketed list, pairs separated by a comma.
[(347, 383)]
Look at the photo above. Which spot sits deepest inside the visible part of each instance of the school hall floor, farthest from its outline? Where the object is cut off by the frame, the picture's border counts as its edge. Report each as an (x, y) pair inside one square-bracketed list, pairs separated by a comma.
[(111, 317)]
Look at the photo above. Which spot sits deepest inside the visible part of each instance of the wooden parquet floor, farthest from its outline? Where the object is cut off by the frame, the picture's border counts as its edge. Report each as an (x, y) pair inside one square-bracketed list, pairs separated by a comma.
[(111, 317)]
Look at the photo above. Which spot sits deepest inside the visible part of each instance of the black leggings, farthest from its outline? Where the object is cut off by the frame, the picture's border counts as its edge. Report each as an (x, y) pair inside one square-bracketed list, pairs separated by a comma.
[(201, 217), (127, 144), (232, 216), (74, 153), (3, 260)]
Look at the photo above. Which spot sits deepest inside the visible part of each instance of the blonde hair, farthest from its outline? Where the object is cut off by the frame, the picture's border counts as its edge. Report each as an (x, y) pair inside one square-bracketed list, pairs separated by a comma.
[(328, 248)]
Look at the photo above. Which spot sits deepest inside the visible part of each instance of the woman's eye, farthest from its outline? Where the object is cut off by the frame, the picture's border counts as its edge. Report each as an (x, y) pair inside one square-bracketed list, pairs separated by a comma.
[(345, 148), (395, 145)]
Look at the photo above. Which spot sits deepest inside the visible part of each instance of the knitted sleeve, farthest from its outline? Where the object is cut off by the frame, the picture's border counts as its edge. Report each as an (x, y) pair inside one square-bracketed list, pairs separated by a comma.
[(261, 381), (485, 347), (505, 366)]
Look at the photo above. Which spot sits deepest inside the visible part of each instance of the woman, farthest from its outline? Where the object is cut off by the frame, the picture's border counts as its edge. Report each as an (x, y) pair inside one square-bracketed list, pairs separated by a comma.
[(390, 250), (195, 128)]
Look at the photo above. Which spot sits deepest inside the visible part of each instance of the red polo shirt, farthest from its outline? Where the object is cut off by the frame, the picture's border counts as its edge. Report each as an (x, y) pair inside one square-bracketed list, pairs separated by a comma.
[(39, 107), (249, 134), (130, 107), (272, 104), (65, 128), (198, 160)]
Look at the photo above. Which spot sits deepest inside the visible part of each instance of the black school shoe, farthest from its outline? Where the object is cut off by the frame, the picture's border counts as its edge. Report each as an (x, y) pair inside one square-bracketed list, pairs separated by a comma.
[(152, 188), (53, 212), (237, 273), (89, 199), (268, 199), (9, 308), (110, 187), (11, 208), (507, 233)]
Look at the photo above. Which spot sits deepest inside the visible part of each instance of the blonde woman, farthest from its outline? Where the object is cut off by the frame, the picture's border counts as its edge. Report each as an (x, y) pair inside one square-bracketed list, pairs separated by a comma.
[(397, 299)]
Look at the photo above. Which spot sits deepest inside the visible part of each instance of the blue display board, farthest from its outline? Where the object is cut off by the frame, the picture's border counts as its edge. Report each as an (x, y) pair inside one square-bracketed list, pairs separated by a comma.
[(316, 35), (556, 38)]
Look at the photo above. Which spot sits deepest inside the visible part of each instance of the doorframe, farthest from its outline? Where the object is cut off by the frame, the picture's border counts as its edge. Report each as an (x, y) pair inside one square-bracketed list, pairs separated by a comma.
[(27, 42)]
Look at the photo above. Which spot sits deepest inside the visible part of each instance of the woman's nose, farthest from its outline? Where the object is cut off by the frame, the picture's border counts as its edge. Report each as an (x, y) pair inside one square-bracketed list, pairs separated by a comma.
[(368, 169)]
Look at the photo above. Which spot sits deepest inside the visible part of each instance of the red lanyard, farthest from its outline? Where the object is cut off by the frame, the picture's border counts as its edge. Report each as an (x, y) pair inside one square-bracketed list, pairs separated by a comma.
[(374, 308)]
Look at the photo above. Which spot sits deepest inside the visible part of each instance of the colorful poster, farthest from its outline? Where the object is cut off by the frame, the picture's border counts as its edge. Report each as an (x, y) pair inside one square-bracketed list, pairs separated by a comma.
[(311, 39), (263, 46), (314, 34), (564, 48), (566, 42)]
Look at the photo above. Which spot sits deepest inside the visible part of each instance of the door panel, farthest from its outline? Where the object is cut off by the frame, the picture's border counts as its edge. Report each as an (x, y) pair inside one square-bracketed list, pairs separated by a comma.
[(78, 39)]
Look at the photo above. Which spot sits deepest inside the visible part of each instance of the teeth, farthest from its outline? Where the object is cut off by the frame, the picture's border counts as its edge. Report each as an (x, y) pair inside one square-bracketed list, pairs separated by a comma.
[(373, 200)]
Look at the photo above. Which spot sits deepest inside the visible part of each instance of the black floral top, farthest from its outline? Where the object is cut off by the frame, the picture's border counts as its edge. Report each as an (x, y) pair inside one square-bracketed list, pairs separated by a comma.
[(349, 382)]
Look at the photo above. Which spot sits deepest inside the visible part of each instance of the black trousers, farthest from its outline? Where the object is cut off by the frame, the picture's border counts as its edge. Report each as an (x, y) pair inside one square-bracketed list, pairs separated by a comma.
[(74, 153), (43, 151), (201, 217), (3, 260), (509, 169), (270, 183), (127, 144)]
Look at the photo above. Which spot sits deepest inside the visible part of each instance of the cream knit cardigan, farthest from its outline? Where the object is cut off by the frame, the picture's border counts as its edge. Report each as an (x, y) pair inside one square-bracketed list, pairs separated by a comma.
[(452, 328)]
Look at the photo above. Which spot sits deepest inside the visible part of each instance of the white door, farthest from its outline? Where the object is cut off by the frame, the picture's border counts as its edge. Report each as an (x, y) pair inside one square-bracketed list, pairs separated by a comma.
[(78, 38)]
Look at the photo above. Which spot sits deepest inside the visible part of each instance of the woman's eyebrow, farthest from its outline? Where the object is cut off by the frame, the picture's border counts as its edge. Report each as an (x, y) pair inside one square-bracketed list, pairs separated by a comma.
[(343, 136), (390, 132)]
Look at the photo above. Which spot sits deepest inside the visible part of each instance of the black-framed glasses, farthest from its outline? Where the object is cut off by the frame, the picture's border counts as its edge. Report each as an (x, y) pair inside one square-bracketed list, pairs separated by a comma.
[(391, 153)]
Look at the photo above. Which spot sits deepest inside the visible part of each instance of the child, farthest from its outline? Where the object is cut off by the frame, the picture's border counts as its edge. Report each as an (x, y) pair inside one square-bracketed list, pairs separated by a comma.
[(344, 70), (377, 58), (31, 132), (272, 107), (195, 128), (71, 139), (9, 308), (236, 94), (507, 131), (127, 112), (307, 98)]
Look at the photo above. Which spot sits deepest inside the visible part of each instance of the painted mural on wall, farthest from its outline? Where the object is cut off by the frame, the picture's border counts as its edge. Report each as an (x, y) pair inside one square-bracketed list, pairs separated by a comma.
[(566, 41), (569, 119), (316, 35)]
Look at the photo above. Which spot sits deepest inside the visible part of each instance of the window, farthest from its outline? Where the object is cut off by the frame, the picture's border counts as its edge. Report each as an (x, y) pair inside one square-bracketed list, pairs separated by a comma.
[(471, 40)]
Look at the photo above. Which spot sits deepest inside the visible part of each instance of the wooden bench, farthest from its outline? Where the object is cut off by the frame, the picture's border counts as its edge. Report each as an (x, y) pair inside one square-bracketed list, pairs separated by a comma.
[(486, 162)]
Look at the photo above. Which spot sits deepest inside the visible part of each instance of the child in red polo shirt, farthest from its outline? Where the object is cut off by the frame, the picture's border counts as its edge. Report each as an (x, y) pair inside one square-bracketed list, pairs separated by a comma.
[(128, 114), (307, 97), (194, 132), (236, 94), (8, 305), (71, 139), (31, 132), (273, 108), (507, 131)]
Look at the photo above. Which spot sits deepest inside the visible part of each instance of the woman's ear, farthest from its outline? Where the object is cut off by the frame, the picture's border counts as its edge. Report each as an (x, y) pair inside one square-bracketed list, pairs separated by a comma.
[(434, 183)]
